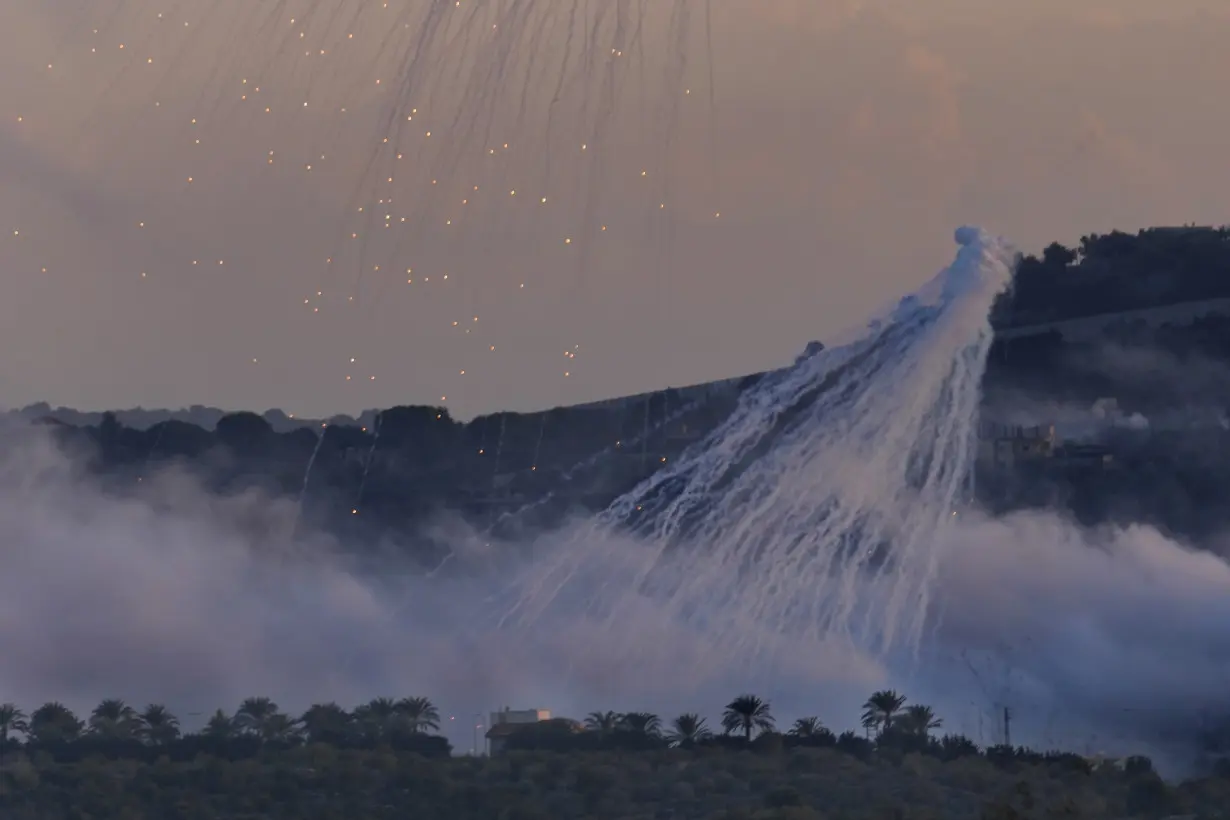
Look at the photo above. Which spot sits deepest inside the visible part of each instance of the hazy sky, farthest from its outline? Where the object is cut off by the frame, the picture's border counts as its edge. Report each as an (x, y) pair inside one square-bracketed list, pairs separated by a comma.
[(846, 142)]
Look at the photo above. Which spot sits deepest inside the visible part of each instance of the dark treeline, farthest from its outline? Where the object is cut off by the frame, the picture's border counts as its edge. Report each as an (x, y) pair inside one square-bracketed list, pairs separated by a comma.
[(1118, 272), (1110, 274), (383, 759), (384, 479), (141, 418), (116, 730)]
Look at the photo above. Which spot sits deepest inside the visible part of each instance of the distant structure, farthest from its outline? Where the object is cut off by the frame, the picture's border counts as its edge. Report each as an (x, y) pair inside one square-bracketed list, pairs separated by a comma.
[(1003, 447), (507, 722), (1007, 448)]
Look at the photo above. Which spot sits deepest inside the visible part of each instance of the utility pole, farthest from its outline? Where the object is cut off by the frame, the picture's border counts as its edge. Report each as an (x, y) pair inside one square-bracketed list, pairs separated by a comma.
[(1007, 727)]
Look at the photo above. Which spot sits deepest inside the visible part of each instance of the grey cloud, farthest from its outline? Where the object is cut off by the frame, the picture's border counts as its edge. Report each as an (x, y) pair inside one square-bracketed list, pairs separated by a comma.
[(1107, 639)]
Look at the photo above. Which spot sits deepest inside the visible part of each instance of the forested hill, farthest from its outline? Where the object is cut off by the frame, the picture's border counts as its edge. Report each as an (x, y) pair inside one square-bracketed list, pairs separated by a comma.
[(384, 472), (1116, 273), (381, 480), (1162, 290)]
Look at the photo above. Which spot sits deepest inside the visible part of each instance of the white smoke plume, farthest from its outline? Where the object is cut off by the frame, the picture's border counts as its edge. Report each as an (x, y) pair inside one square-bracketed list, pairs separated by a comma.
[(781, 520)]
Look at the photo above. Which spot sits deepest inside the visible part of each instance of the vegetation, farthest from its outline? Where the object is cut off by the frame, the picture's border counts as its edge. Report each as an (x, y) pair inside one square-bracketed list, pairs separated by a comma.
[(383, 760), (384, 480), (1119, 272)]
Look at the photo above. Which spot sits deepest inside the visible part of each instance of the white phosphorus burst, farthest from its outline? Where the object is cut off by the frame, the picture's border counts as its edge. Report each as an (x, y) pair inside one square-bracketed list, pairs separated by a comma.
[(475, 152), (813, 512)]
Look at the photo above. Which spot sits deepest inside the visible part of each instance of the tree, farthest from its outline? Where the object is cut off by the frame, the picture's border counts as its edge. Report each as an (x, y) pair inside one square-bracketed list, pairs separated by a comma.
[(419, 714), (687, 730), (243, 431), (377, 718), (1057, 255), (255, 717), (54, 722), (114, 719), (1088, 245), (158, 726), (327, 723), (642, 723), (855, 746), (919, 720), (221, 726), (109, 432), (280, 727), (953, 747), (881, 709), (808, 727), (747, 713), (12, 720), (603, 722)]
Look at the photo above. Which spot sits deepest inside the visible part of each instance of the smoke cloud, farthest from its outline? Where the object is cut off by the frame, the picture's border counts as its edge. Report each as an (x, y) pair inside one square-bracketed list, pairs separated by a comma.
[(1111, 641), (171, 594)]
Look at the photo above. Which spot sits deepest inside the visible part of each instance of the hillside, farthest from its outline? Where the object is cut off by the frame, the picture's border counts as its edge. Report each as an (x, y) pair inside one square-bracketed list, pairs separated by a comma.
[(793, 784)]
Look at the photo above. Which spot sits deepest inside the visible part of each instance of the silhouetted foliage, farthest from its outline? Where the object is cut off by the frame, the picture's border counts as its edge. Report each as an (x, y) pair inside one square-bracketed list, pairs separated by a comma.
[(381, 760), (747, 714), (1119, 272)]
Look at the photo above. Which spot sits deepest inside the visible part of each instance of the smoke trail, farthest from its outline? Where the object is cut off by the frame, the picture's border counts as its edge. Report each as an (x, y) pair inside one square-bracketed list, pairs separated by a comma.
[(546, 76), (482, 147), (814, 510)]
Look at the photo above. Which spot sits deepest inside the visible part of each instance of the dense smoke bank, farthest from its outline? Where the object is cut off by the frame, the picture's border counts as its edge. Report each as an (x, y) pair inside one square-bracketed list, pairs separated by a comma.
[(1104, 641)]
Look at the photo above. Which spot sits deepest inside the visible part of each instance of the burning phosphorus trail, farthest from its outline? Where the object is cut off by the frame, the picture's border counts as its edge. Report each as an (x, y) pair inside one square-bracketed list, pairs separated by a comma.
[(813, 511)]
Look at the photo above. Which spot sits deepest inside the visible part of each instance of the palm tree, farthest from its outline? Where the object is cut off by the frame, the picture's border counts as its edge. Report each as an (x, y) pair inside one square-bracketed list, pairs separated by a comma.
[(881, 710), (220, 726), (254, 716), (745, 713), (687, 730), (115, 720), (53, 722), (419, 713), (326, 723), (919, 720), (806, 727), (377, 718), (158, 726), (603, 722), (280, 727), (642, 723), (12, 720)]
